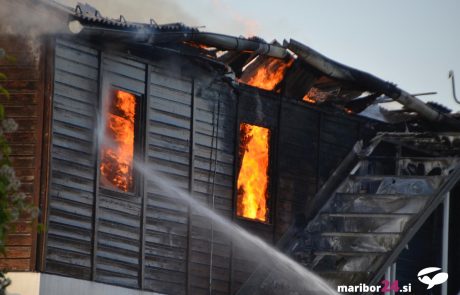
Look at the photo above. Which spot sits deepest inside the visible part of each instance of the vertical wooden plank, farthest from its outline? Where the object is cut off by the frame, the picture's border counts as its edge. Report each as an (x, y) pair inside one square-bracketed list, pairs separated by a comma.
[(96, 153), (210, 240), (71, 184), (191, 185), (235, 190), (143, 193), (46, 168), (119, 221), (38, 150), (168, 151)]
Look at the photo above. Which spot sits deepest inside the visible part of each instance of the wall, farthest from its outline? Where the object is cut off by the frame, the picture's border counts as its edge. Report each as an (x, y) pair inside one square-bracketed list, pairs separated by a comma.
[(32, 283), (150, 239), (25, 82)]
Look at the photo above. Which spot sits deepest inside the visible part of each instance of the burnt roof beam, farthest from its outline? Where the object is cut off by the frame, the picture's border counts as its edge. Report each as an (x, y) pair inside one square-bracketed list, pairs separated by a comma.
[(372, 83)]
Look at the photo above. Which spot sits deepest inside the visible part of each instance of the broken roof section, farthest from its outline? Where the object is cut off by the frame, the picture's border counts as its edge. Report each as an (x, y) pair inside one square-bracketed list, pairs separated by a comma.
[(292, 69)]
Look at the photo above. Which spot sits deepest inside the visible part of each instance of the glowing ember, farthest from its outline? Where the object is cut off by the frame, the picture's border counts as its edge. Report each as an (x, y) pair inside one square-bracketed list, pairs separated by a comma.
[(269, 74), (315, 95), (306, 98), (253, 175), (117, 155)]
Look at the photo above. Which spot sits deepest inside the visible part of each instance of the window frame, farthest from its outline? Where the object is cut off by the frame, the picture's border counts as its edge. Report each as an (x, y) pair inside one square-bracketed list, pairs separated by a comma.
[(139, 140), (270, 174)]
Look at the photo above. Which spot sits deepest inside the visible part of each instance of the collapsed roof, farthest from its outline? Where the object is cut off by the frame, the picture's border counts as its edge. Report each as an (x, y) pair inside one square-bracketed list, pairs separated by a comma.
[(291, 69)]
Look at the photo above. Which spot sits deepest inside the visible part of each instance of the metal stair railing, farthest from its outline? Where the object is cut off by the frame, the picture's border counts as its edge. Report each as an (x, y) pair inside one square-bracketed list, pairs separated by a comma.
[(418, 221)]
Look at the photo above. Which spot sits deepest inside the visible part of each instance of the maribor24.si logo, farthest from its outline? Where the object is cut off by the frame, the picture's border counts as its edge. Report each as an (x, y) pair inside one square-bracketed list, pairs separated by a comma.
[(432, 281)]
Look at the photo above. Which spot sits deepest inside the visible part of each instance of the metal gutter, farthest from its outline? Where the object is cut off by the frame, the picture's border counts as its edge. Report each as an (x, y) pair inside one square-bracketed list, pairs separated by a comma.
[(154, 35)]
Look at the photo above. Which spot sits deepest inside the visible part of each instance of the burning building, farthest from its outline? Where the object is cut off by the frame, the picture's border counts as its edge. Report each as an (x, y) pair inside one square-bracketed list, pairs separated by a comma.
[(277, 138)]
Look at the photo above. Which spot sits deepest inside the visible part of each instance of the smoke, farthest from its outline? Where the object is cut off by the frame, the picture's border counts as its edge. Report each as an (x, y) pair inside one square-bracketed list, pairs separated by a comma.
[(249, 27), (30, 19), (162, 11), (215, 15), (33, 18)]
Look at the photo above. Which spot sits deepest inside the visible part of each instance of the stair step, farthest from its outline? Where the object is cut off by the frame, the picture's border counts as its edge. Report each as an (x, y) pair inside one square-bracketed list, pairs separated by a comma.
[(346, 261), (402, 177), (447, 158), (409, 166), (360, 223), (381, 184), (371, 203), (358, 234), (347, 253), (369, 215), (360, 243), (344, 277), (382, 196), (433, 144)]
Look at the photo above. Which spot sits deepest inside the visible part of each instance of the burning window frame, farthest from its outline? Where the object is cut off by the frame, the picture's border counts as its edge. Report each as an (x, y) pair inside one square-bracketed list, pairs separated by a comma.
[(137, 141), (269, 189)]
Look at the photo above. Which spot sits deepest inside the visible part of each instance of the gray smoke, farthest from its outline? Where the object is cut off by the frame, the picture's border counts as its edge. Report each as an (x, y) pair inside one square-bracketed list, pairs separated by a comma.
[(30, 19), (215, 15), (162, 11)]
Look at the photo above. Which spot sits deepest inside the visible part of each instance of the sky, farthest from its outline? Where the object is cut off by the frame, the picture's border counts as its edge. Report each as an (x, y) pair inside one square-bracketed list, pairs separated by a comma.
[(412, 43)]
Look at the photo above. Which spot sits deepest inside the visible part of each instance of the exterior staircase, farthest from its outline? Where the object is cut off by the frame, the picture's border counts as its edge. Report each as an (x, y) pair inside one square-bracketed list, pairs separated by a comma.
[(368, 210)]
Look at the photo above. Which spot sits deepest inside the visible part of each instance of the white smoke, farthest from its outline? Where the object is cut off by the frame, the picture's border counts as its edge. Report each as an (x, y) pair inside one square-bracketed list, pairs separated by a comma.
[(214, 15), (30, 18), (162, 11)]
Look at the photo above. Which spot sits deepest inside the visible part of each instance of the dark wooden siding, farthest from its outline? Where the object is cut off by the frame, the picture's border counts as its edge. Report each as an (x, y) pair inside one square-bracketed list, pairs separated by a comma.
[(150, 239), (213, 176), (167, 151), (25, 82), (311, 145), (262, 109), (338, 134), (72, 185), (118, 215), (297, 160)]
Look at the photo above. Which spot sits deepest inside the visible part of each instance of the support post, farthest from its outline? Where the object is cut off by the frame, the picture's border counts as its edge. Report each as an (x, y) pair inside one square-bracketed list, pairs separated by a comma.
[(393, 277), (445, 240)]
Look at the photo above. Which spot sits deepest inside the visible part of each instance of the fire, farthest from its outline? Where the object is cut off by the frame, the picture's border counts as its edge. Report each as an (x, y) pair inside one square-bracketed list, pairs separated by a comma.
[(253, 175), (315, 95), (117, 156), (268, 75), (306, 98)]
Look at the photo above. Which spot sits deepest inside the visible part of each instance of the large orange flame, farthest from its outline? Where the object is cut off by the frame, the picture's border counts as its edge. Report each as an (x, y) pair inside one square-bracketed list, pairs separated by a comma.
[(253, 175), (269, 74), (117, 155)]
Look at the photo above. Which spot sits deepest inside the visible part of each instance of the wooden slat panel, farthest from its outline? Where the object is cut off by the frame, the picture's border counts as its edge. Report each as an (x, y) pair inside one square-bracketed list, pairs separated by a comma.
[(212, 139), (167, 150), (119, 213), (71, 193), (124, 73)]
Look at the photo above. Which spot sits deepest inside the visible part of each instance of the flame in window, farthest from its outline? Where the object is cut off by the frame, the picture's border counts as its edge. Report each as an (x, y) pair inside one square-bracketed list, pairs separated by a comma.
[(253, 176), (118, 151)]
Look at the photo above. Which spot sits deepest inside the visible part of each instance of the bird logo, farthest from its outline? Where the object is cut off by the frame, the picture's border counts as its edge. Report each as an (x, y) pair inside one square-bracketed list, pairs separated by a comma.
[(438, 279)]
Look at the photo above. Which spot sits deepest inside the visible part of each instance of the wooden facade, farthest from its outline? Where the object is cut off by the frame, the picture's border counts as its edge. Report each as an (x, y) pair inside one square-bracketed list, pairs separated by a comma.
[(189, 122), (26, 84)]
